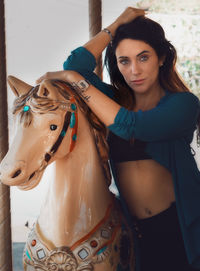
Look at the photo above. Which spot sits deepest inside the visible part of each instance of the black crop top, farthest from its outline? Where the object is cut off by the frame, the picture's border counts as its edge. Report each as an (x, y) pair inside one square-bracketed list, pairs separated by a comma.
[(121, 150)]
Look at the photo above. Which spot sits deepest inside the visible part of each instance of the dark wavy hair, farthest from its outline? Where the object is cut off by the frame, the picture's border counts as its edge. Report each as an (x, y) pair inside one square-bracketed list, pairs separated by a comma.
[(152, 33)]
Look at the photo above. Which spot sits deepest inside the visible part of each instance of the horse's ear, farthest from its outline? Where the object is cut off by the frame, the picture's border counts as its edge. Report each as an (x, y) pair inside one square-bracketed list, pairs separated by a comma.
[(18, 86), (46, 89)]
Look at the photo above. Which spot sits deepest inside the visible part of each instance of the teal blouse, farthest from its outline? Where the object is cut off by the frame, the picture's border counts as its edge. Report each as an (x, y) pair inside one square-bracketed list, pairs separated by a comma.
[(168, 130)]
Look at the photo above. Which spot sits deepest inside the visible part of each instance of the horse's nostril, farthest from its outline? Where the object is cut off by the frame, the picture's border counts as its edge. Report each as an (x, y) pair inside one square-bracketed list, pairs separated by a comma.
[(31, 176), (17, 173)]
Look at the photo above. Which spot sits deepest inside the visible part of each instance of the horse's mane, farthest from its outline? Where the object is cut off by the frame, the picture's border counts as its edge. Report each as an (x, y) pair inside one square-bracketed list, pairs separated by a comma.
[(44, 104)]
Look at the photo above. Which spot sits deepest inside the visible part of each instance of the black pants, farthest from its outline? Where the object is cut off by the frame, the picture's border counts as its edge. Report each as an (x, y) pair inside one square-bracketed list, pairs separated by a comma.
[(161, 244)]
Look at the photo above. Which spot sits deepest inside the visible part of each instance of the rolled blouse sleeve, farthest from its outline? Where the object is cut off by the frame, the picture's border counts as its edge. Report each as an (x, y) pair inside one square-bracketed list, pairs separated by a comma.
[(173, 117), (83, 62), (79, 60)]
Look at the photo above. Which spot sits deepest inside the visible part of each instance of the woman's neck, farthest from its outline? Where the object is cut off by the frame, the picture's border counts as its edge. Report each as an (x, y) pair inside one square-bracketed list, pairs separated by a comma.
[(148, 100)]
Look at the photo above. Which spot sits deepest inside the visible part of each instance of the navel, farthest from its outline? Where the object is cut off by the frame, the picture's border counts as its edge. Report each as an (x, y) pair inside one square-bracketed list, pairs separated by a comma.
[(148, 212)]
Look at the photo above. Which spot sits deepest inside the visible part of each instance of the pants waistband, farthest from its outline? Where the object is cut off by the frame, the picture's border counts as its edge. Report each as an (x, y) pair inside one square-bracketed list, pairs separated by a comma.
[(165, 221)]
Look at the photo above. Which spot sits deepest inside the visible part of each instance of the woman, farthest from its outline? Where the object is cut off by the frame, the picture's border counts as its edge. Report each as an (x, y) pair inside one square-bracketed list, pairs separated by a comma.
[(151, 116)]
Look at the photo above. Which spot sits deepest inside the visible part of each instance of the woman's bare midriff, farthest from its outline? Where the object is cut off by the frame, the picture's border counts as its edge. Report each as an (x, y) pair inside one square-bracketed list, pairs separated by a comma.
[(147, 187)]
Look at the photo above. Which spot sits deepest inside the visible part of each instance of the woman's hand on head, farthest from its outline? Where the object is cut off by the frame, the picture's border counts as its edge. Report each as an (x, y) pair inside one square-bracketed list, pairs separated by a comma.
[(59, 75), (129, 15)]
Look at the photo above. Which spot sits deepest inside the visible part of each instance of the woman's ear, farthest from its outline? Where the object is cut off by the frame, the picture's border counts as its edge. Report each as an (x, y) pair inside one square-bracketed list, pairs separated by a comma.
[(161, 61)]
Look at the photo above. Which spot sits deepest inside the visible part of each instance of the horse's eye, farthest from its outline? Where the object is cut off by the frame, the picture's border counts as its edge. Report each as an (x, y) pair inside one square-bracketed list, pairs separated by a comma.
[(53, 127)]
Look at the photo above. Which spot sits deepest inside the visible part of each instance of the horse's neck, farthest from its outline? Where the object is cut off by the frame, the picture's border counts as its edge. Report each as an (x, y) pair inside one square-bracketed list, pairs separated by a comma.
[(79, 196)]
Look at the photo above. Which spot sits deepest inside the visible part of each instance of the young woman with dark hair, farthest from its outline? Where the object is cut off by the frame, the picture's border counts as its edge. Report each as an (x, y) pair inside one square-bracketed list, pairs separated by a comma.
[(151, 117)]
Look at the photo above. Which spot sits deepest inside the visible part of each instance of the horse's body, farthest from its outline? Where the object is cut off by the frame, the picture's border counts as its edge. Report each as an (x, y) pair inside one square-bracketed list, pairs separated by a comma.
[(80, 226)]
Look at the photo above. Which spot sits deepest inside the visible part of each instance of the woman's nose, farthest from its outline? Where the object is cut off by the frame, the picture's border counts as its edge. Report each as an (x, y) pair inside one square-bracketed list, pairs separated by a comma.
[(135, 68)]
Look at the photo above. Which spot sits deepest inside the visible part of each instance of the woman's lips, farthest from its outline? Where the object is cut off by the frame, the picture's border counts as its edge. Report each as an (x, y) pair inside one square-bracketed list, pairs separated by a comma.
[(138, 82)]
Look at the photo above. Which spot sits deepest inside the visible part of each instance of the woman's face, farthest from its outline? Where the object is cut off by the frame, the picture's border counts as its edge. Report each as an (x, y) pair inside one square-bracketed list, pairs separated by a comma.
[(139, 64)]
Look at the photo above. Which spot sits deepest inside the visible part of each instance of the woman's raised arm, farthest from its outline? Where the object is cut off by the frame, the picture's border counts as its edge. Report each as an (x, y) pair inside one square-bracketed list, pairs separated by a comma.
[(98, 43)]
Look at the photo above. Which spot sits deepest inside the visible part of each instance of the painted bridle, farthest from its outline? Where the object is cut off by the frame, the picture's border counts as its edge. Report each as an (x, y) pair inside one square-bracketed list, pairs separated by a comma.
[(70, 120)]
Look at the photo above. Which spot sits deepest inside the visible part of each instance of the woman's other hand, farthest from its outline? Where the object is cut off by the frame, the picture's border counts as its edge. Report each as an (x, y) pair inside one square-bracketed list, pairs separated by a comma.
[(129, 15), (59, 75)]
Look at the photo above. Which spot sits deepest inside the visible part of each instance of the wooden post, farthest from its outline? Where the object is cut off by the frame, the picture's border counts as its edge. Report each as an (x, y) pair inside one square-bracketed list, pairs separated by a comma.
[(5, 221), (95, 24)]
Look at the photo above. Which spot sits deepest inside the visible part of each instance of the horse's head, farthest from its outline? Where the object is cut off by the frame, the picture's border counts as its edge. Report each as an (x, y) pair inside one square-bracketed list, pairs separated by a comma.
[(46, 117)]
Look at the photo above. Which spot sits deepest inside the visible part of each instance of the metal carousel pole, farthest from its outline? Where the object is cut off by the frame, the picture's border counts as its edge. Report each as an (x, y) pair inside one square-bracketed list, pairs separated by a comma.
[(5, 220), (95, 24)]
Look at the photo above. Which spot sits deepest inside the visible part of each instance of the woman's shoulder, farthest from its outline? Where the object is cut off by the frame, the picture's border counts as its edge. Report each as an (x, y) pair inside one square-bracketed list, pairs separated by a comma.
[(180, 98)]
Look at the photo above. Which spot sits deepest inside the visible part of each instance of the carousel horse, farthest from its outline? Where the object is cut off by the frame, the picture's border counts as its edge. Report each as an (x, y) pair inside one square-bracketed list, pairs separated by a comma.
[(81, 226)]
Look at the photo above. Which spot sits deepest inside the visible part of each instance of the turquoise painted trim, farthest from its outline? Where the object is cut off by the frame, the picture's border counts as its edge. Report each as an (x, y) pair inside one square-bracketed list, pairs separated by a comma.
[(28, 255), (101, 250), (72, 120), (63, 133), (73, 107), (74, 137), (26, 108)]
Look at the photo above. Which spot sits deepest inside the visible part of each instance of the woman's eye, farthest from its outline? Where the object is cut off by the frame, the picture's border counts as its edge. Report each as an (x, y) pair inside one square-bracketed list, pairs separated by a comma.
[(144, 58), (53, 127), (123, 62)]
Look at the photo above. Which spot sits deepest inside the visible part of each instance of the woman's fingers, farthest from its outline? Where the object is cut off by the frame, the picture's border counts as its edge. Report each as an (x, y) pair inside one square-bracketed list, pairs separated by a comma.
[(135, 12), (129, 14), (60, 75), (47, 75)]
